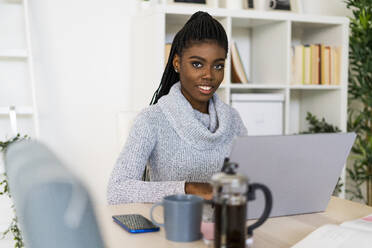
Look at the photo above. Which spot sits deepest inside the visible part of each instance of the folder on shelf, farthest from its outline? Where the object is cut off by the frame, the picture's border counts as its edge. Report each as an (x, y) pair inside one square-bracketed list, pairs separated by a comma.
[(238, 74)]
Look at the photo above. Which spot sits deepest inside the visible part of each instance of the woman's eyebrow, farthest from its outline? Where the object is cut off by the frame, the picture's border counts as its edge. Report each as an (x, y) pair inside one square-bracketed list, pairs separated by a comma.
[(203, 59)]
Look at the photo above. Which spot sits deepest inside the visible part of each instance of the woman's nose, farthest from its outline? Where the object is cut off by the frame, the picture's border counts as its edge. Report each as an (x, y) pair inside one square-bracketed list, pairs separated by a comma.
[(208, 73)]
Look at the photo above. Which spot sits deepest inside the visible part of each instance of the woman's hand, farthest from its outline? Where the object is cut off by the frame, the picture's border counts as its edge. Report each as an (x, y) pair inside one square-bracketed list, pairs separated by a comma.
[(201, 189)]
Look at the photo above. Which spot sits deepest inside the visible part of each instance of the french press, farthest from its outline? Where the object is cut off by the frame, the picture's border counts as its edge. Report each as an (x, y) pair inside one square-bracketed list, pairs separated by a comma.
[(231, 192)]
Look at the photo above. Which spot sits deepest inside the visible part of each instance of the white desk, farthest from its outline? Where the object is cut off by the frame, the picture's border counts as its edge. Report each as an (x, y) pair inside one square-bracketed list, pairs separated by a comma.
[(278, 232)]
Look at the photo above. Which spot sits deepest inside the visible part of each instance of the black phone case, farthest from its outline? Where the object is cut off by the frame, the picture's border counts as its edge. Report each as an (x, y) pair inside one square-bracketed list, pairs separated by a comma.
[(135, 223)]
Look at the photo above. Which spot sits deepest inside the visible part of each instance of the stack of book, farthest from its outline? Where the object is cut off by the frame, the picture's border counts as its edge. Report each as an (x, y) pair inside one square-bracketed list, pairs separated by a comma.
[(316, 64)]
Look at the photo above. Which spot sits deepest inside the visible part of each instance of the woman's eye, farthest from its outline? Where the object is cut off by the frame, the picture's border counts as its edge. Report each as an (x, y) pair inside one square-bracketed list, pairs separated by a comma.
[(219, 67), (196, 64)]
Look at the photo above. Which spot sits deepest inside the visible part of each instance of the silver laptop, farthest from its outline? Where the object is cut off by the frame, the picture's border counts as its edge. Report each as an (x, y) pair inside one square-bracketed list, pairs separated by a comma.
[(300, 170)]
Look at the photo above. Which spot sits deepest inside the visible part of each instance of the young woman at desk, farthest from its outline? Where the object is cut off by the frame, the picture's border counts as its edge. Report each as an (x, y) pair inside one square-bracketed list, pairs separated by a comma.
[(187, 131)]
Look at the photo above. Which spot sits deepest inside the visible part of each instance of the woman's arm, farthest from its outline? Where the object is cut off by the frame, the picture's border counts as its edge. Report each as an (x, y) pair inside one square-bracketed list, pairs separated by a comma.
[(125, 184), (201, 189)]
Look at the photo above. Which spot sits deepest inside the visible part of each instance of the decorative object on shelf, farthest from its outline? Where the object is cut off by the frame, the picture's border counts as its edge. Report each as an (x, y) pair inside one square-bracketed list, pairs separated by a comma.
[(296, 6), (147, 4), (360, 95), (190, 1), (233, 4), (4, 190), (250, 4), (321, 126), (261, 5), (194, 3), (280, 4)]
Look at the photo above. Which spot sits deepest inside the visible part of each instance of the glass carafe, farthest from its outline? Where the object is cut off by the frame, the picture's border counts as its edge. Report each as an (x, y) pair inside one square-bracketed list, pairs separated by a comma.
[(231, 192)]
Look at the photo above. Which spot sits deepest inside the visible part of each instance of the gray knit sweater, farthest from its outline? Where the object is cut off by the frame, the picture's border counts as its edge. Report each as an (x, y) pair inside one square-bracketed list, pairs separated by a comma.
[(181, 145)]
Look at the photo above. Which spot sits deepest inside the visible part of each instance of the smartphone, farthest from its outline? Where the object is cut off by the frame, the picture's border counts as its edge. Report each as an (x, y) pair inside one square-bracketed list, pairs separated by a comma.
[(135, 223)]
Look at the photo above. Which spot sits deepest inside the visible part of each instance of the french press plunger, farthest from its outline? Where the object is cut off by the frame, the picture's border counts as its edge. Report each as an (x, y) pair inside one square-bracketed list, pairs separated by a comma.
[(231, 192)]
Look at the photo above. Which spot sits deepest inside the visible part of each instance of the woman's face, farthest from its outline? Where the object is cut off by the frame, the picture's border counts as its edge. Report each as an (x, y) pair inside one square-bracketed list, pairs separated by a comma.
[(201, 69)]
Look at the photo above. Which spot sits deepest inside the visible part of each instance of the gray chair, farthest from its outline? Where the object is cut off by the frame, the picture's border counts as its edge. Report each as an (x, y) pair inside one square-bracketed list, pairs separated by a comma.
[(53, 207)]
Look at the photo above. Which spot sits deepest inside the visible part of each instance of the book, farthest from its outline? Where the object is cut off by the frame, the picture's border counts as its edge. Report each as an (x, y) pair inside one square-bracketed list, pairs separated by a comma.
[(238, 74), (327, 65), (315, 61), (326, 68), (336, 63), (168, 47), (322, 68), (355, 233), (320, 63), (298, 64), (307, 64)]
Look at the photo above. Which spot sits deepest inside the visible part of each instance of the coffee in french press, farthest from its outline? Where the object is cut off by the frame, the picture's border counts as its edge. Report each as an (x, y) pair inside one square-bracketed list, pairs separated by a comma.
[(231, 192)]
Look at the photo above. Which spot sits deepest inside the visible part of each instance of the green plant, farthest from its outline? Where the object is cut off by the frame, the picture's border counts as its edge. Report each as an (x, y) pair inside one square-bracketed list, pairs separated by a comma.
[(360, 96), (321, 126), (4, 190)]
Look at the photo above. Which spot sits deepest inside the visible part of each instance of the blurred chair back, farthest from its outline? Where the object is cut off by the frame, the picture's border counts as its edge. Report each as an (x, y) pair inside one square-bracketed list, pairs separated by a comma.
[(52, 206)]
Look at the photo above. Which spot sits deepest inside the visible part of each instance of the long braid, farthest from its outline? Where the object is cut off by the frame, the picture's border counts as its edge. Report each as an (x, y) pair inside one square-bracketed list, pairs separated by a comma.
[(200, 27)]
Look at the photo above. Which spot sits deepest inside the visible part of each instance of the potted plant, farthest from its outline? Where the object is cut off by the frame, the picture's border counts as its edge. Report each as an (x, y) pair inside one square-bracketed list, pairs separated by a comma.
[(360, 97), (13, 228)]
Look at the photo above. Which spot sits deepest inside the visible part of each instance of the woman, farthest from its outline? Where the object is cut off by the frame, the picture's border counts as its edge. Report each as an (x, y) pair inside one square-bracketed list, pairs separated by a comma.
[(187, 131)]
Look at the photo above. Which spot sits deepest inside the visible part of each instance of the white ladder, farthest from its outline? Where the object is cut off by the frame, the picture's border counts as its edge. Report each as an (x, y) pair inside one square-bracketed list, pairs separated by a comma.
[(22, 54)]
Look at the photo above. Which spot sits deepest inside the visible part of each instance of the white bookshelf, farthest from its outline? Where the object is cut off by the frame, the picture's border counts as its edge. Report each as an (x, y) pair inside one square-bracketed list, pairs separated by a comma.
[(264, 40)]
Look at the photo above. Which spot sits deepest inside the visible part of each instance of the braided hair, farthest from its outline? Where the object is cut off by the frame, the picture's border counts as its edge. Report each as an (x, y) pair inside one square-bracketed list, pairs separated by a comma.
[(200, 27)]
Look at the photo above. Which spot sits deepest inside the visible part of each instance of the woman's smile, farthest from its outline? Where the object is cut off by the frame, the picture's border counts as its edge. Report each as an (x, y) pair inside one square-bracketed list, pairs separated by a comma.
[(205, 89)]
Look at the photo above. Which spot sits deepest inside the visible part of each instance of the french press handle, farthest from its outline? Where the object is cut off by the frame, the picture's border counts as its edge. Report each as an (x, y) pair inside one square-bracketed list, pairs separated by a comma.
[(251, 195)]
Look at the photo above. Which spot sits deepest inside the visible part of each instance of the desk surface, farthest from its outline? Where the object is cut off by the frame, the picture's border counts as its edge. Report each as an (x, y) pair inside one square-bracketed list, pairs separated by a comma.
[(278, 232)]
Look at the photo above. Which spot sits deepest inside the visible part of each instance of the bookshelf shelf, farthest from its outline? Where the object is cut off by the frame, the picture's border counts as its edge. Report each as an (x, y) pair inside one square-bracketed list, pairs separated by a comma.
[(257, 86), (316, 87)]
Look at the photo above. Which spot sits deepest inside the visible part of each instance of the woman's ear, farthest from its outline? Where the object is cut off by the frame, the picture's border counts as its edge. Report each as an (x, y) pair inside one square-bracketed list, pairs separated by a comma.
[(176, 63)]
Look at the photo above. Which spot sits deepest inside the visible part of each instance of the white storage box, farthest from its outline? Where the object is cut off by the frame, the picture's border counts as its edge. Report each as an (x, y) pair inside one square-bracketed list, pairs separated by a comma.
[(262, 114)]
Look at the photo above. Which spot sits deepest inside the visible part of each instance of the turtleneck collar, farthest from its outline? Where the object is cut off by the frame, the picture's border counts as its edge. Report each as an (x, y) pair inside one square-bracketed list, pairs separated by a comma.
[(180, 114)]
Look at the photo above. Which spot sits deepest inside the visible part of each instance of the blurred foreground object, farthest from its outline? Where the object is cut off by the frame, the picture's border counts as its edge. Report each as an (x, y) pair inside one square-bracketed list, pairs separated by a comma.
[(53, 208)]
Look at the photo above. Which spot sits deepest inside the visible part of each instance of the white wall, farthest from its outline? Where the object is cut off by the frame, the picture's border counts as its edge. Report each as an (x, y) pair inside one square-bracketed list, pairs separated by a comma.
[(325, 7), (82, 55)]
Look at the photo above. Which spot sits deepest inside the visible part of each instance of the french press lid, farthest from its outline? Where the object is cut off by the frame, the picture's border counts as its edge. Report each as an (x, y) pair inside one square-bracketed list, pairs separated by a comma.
[(228, 181)]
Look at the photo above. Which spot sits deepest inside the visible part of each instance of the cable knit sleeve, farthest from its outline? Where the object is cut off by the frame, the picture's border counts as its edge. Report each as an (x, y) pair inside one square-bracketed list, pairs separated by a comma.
[(125, 184)]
